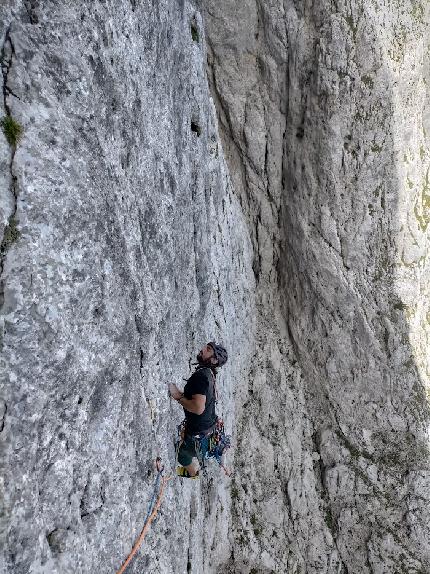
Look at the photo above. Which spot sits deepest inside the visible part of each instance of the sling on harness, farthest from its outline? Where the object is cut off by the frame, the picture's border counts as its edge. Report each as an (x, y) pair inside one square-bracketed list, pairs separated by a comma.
[(207, 445)]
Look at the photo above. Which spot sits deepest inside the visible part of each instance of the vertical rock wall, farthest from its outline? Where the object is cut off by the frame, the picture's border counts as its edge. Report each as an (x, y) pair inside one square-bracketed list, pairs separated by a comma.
[(129, 252), (355, 274), (323, 111), (127, 243)]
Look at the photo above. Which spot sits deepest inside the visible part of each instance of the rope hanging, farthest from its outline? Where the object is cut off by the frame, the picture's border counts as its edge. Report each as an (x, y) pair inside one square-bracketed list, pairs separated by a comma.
[(152, 512)]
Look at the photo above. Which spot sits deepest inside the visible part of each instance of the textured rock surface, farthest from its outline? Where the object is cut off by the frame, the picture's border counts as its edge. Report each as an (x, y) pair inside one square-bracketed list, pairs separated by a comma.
[(132, 252), (307, 256), (324, 114)]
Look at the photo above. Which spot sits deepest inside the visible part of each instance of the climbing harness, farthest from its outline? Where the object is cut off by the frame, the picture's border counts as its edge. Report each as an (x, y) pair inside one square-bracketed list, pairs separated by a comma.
[(207, 445), (154, 506)]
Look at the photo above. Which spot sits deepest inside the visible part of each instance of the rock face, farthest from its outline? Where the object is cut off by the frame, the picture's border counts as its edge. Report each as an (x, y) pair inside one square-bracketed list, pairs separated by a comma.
[(132, 252), (324, 115), (128, 241)]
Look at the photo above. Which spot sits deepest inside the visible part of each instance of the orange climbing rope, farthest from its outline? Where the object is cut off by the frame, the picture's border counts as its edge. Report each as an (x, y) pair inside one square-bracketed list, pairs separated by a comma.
[(164, 481)]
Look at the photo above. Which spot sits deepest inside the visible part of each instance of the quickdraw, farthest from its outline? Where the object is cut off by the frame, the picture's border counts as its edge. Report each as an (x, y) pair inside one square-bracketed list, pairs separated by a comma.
[(212, 446), (218, 443)]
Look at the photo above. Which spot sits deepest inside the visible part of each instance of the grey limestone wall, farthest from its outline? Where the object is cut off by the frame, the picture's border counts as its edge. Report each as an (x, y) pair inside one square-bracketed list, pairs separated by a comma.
[(130, 253), (254, 172), (324, 113)]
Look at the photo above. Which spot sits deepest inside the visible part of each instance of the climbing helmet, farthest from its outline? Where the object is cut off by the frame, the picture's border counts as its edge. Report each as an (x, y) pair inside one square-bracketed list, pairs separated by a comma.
[(220, 353)]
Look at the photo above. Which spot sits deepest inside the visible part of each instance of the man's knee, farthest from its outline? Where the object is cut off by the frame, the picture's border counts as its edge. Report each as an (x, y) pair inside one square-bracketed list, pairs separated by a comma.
[(192, 470)]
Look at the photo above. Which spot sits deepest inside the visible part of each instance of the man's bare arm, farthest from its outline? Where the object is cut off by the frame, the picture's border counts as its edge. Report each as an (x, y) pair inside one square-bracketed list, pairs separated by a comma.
[(194, 405)]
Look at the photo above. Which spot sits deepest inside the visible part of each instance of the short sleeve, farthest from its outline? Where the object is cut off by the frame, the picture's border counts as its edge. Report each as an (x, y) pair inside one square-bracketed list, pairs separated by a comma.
[(197, 384)]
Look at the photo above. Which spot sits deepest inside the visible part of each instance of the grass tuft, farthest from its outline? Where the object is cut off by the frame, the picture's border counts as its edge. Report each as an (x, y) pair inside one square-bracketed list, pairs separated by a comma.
[(12, 130), (11, 234)]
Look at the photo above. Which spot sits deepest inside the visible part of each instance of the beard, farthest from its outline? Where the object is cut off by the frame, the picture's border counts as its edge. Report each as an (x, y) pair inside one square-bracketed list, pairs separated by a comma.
[(201, 361)]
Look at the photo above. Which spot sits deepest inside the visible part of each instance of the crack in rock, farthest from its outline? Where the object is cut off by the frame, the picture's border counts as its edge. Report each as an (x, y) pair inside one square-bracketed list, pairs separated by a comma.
[(11, 232), (3, 412)]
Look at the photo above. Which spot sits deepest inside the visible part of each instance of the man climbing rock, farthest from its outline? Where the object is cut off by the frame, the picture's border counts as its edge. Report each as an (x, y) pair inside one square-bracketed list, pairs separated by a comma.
[(198, 401)]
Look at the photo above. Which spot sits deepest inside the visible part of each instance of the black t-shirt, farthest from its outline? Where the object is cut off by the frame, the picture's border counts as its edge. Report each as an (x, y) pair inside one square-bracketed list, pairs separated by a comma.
[(201, 382)]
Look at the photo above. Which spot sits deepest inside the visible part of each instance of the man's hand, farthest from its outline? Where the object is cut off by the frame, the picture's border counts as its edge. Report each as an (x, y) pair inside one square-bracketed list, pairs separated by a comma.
[(174, 391)]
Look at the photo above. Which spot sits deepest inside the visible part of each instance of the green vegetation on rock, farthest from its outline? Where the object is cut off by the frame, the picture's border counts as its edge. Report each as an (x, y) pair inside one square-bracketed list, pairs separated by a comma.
[(11, 129), (11, 234)]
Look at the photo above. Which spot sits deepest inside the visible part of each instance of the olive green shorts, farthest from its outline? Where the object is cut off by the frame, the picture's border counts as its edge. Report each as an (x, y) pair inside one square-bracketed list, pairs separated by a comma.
[(187, 451)]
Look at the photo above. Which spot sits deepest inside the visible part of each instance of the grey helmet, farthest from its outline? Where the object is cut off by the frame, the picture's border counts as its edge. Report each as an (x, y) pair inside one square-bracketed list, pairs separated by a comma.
[(220, 353)]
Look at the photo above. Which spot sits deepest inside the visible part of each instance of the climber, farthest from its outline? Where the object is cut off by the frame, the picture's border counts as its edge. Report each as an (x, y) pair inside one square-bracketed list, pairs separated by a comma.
[(198, 401)]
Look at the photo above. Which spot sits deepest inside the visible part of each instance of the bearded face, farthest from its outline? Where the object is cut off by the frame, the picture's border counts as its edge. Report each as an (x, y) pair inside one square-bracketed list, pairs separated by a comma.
[(205, 355)]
